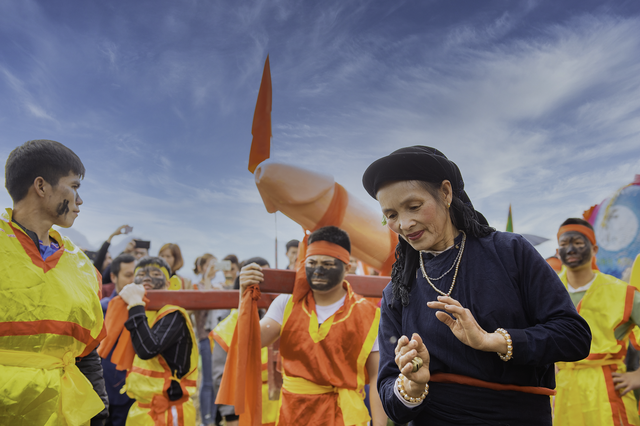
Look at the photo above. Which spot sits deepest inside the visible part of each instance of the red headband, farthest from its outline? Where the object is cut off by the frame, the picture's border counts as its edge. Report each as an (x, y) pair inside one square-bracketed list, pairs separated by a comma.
[(328, 249), (584, 230)]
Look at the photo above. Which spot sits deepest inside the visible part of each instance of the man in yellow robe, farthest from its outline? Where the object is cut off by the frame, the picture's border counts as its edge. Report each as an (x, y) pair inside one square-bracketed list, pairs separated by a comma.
[(50, 313), (596, 390)]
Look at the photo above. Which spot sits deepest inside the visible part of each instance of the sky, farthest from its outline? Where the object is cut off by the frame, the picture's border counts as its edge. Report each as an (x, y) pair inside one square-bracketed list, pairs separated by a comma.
[(537, 102)]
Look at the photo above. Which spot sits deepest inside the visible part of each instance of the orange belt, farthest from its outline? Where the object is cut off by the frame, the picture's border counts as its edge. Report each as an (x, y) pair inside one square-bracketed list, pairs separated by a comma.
[(470, 381)]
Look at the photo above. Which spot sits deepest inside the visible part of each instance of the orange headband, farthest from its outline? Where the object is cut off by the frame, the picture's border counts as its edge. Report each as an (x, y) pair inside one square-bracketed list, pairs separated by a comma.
[(328, 249), (587, 232)]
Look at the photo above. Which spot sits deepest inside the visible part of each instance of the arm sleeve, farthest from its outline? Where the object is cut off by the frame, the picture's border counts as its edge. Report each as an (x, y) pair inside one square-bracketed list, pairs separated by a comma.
[(276, 309), (149, 342), (389, 333), (91, 367), (559, 333), (102, 254)]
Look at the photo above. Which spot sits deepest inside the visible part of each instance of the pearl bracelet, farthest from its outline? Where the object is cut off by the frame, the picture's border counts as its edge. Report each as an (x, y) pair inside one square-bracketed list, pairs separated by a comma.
[(506, 357), (400, 386)]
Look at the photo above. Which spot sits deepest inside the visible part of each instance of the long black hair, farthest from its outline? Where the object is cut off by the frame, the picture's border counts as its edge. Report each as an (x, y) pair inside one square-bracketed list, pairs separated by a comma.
[(463, 217)]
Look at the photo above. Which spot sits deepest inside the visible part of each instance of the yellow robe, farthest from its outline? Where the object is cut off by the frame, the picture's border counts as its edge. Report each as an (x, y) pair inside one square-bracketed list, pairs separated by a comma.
[(586, 395), (50, 314), (148, 380)]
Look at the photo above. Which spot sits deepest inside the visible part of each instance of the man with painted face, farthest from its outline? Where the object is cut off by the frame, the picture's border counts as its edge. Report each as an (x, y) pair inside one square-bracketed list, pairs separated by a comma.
[(50, 314), (156, 347), (328, 338), (596, 390)]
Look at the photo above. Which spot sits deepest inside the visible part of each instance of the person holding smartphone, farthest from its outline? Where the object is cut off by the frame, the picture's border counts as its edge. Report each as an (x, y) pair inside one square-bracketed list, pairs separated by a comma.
[(103, 253)]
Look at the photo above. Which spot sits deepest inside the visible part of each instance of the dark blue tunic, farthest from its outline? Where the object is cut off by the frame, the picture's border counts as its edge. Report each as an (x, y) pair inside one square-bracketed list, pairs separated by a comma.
[(504, 282)]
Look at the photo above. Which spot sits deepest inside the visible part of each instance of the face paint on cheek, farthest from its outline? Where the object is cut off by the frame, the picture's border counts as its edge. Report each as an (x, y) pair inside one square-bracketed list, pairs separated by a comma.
[(63, 208), (331, 276), (138, 280), (574, 256), (158, 283)]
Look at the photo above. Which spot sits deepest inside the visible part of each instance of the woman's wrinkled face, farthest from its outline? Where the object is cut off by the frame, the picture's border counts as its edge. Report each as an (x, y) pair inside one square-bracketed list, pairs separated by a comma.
[(413, 213)]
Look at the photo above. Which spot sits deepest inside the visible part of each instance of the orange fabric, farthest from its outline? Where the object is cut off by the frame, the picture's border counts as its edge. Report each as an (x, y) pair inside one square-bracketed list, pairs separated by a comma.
[(587, 232), (261, 128), (555, 263), (332, 217), (117, 315), (34, 252), (328, 249), (330, 362), (470, 381), (160, 404), (617, 406), (241, 384)]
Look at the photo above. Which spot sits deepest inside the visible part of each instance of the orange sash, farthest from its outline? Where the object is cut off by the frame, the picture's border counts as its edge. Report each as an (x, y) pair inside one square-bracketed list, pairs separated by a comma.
[(117, 315)]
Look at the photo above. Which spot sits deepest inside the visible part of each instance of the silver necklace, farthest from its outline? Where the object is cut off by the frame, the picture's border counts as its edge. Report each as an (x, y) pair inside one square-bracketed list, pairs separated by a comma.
[(456, 263)]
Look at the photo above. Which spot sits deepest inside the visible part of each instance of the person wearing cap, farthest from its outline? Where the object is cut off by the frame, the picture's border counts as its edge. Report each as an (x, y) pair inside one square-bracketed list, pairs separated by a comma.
[(473, 319), (50, 314), (596, 390), (328, 338), (156, 347)]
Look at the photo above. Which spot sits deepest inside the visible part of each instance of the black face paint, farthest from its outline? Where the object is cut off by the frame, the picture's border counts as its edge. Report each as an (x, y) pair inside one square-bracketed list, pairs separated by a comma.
[(574, 255), (332, 276), (63, 208), (158, 283)]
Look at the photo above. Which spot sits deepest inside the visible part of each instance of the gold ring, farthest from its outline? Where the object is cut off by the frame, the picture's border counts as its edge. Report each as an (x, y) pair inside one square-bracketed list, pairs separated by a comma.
[(417, 364)]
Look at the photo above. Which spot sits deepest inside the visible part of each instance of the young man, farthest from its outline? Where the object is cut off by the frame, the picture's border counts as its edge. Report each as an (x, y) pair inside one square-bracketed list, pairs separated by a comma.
[(50, 314), (596, 390), (328, 338), (156, 347), (292, 253), (122, 269)]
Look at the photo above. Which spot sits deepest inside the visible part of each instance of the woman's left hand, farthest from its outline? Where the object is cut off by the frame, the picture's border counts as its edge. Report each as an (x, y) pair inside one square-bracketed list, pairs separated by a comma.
[(464, 326)]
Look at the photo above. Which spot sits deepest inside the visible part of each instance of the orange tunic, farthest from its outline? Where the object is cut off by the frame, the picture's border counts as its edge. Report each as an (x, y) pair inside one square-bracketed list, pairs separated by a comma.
[(320, 363)]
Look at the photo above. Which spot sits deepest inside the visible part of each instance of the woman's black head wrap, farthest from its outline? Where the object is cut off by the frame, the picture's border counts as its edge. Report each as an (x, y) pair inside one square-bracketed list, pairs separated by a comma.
[(422, 163)]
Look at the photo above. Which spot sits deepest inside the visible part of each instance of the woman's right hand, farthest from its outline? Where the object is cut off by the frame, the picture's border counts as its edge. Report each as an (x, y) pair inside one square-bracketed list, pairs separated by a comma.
[(406, 350), (250, 274)]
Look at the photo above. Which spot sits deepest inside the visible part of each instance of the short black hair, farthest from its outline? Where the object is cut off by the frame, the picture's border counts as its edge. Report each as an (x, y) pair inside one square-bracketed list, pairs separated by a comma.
[(292, 243), (576, 221), (332, 234), (119, 260), (150, 260), (48, 159)]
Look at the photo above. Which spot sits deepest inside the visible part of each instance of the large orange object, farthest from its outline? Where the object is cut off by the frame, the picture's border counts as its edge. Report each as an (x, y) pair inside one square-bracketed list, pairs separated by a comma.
[(305, 196), (261, 129)]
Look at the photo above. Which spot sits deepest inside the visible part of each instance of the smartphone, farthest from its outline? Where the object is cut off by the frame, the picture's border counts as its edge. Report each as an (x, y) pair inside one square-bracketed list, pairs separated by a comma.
[(128, 229), (222, 265)]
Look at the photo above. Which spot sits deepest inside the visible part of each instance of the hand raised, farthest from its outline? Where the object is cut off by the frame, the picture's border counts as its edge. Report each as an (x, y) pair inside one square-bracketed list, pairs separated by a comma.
[(406, 350), (250, 274), (461, 322)]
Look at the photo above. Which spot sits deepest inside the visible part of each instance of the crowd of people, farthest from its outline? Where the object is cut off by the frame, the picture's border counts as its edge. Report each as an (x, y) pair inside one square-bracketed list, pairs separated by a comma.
[(475, 327)]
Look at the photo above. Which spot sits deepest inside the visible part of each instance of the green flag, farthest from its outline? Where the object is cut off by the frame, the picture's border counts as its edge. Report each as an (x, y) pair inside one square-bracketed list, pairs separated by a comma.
[(509, 221)]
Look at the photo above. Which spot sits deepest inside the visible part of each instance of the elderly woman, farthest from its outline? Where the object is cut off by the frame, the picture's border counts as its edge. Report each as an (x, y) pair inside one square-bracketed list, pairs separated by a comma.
[(473, 319)]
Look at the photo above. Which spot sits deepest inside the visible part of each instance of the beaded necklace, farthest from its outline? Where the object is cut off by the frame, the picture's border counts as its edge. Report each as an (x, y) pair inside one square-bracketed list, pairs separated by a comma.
[(456, 263)]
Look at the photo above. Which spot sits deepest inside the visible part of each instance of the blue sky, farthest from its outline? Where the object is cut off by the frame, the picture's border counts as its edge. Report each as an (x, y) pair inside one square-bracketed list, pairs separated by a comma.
[(537, 102)]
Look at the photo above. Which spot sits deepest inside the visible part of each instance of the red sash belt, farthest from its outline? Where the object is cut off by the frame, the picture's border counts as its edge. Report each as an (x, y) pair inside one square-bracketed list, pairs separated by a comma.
[(470, 381)]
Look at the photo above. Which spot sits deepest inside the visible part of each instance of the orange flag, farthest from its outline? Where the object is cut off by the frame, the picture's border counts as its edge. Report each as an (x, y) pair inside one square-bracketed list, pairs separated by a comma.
[(241, 384), (261, 129)]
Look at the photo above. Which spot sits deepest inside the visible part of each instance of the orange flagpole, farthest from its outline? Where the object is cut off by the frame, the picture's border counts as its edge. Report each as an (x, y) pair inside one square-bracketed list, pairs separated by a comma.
[(261, 128)]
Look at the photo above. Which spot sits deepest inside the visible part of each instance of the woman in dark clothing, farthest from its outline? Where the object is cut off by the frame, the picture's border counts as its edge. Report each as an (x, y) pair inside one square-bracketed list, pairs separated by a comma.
[(454, 282)]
